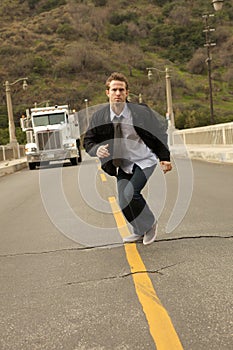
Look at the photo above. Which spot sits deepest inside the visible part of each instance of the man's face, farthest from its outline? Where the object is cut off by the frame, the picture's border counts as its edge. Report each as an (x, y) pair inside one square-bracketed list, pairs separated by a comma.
[(117, 92)]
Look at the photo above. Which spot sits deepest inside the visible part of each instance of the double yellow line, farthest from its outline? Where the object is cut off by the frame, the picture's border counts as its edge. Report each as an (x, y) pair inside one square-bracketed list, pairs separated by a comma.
[(160, 324)]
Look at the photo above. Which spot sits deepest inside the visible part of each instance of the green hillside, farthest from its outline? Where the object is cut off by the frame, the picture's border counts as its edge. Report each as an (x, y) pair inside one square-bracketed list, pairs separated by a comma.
[(67, 48)]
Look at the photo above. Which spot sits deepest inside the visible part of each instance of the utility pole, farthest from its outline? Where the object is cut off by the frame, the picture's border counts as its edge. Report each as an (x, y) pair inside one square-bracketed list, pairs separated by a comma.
[(12, 136), (217, 4), (208, 44), (170, 112)]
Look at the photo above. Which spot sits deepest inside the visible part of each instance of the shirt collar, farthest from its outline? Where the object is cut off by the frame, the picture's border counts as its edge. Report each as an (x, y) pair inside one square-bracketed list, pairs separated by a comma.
[(125, 113)]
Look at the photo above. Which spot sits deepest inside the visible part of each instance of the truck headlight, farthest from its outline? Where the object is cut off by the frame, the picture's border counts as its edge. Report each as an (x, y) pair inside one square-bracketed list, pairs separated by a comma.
[(69, 145), (30, 149)]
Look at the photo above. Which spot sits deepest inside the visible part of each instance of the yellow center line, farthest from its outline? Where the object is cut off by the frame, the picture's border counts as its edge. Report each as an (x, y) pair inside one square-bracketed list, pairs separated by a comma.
[(160, 324), (103, 177)]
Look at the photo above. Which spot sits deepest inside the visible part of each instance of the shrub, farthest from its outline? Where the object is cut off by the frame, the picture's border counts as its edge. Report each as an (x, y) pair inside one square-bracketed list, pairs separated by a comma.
[(40, 65), (4, 136), (80, 58), (51, 4), (100, 2), (162, 35), (192, 116), (3, 117), (65, 31), (21, 136), (197, 63), (32, 3), (118, 18), (118, 33), (228, 76)]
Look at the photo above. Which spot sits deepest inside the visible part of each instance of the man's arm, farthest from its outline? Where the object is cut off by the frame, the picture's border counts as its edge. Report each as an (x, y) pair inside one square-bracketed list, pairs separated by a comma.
[(89, 142), (93, 144)]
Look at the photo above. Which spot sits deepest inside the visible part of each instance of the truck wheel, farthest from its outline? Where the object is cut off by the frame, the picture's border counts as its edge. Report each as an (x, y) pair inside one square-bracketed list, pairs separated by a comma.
[(74, 161), (80, 154), (32, 166)]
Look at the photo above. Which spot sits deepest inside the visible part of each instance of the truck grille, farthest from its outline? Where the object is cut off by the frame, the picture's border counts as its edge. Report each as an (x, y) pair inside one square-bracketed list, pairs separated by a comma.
[(48, 140)]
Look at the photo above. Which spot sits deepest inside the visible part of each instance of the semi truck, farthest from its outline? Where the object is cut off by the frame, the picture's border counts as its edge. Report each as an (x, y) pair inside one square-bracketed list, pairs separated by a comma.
[(53, 134)]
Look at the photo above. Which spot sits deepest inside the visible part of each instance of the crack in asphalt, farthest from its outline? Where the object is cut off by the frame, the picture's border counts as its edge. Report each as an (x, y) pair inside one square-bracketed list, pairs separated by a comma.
[(121, 276), (110, 277), (125, 275), (111, 245)]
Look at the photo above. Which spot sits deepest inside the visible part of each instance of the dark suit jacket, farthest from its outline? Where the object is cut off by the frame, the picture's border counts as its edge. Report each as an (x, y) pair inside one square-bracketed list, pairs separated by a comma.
[(149, 125)]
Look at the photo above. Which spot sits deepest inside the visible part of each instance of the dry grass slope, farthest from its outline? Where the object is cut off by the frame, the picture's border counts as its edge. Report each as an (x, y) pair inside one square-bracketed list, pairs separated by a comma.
[(68, 48)]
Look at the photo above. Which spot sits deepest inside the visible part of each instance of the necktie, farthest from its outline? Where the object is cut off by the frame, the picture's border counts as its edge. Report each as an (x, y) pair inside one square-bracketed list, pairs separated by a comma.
[(117, 141)]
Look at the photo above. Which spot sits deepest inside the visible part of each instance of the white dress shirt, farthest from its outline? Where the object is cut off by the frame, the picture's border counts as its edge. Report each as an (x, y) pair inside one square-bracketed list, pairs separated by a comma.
[(135, 151)]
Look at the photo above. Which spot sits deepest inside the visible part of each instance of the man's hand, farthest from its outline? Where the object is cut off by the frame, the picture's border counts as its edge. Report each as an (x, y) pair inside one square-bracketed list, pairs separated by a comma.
[(102, 151), (166, 166)]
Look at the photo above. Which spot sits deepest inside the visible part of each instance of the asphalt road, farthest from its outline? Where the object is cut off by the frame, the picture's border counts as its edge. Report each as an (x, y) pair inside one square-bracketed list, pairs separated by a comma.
[(66, 279)]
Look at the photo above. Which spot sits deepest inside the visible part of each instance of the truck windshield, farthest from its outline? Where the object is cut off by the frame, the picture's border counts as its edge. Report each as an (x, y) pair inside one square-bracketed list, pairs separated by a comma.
[(48, 119)]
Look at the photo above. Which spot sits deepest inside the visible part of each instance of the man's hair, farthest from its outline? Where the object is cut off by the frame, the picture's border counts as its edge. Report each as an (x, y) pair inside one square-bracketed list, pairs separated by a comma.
[(119, 77)]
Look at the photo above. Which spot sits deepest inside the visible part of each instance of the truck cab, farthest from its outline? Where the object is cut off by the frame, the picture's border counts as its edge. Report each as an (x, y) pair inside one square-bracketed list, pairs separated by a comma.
[(53, 134)]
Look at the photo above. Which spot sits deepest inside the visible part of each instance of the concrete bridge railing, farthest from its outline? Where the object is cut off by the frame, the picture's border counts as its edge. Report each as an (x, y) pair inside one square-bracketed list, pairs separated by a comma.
[(212, 143), (6, 152), (211, 135)]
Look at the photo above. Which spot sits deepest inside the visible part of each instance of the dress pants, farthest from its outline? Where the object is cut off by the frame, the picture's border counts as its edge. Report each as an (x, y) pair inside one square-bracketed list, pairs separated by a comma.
[(131, 201)]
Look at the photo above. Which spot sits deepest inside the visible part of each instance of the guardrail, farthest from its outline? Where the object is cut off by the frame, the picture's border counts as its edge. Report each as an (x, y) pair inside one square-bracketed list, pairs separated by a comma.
[(6, 152), (211, 135)]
